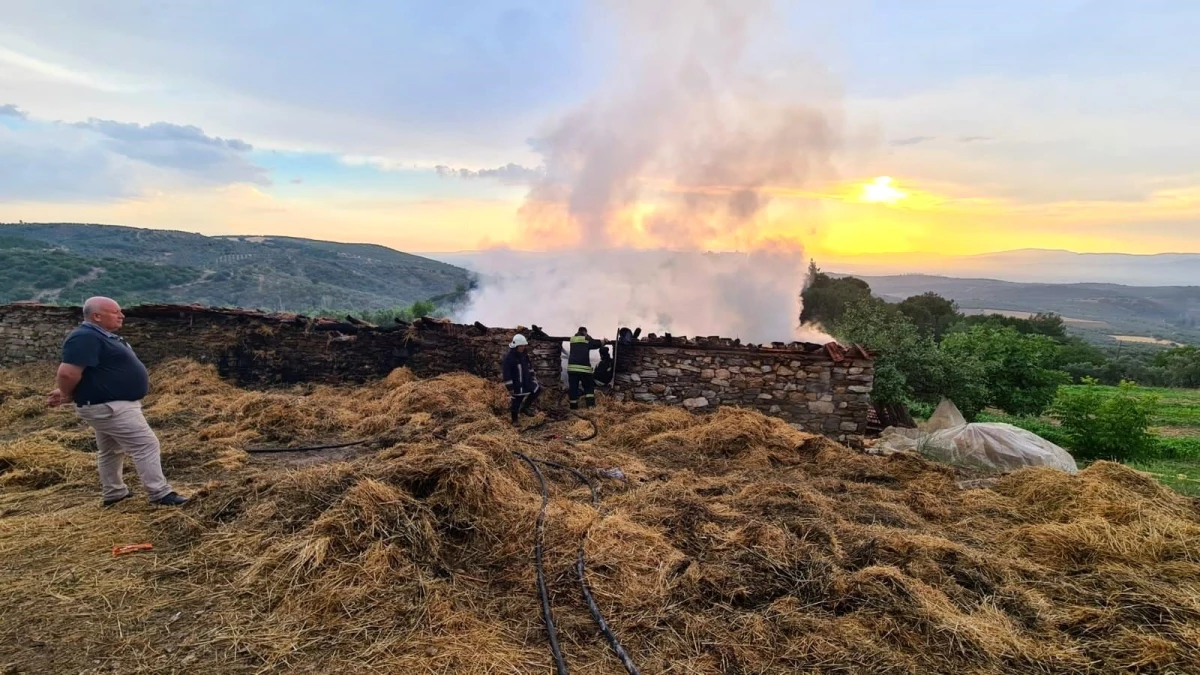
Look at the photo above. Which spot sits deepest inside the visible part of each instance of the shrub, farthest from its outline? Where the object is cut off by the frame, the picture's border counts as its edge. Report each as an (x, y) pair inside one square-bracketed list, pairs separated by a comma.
[(1101, 425)]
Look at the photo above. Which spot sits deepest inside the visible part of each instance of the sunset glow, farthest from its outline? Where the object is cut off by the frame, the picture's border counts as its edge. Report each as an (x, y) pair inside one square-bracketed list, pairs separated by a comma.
[(882, 191)]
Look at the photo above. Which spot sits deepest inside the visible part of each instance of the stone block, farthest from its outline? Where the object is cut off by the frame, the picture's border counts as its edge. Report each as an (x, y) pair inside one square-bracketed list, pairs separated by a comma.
[(848, 426), (821, 407), (693, 403)]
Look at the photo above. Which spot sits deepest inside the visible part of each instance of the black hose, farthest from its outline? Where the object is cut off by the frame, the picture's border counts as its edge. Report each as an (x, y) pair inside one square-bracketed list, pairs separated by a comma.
[(306, 448), (599, 618), (581, 573), (559, 664)]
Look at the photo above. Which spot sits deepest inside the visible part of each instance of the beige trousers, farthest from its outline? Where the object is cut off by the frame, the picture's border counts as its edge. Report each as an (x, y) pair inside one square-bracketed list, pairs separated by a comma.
[(121, 429)]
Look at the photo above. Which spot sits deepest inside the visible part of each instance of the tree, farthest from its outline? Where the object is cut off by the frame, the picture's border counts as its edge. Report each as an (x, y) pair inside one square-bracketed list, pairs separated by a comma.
[(932, 314), (1101, 425), (1017, 368), (1183, 364), (826, 298), (1048, 324), (909, 367)]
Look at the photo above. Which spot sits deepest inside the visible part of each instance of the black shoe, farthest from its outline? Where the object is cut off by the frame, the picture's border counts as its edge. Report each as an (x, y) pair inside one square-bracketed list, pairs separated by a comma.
[(110, 502), (528, 413), (171, 499)]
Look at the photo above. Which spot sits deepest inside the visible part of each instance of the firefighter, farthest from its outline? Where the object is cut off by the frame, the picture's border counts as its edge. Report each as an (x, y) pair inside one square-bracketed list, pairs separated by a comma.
[(579, 369), (523, 387), (604, 369)]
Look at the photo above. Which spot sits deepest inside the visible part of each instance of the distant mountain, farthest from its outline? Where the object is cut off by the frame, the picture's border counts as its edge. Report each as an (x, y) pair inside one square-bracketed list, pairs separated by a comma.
[(67, 262), (1035, 266), (1166, 312)]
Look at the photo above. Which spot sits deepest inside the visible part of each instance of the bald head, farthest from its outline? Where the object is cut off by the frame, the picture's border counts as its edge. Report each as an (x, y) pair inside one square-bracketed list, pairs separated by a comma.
[(104, 312)]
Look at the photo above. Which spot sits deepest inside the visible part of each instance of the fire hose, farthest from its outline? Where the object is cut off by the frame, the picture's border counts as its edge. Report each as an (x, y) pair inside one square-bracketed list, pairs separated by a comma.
[(559, 664), (581, 573)]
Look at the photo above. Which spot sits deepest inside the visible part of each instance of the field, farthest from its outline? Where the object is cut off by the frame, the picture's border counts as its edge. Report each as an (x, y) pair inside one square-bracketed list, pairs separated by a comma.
[(722, 543)]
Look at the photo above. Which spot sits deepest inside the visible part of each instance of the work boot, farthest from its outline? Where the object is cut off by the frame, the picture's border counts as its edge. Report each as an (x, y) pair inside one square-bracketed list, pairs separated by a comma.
[(574, 405), (590, 402), (171, 499), (110, 502), (528, 413)]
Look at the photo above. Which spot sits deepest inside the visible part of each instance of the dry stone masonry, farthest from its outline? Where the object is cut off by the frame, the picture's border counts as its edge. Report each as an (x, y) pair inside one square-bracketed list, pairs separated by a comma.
[(823, 388)]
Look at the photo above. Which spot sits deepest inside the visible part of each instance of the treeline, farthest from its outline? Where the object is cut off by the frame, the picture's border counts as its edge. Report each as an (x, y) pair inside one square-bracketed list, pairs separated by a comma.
[(26, 274), (926, 349)]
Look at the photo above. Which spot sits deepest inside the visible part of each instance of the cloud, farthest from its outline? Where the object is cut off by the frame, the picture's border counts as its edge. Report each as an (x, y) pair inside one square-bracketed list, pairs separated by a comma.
[(184, 148), (509, 174), (10, 110), (913, 140), (974, 139), (105, 160)]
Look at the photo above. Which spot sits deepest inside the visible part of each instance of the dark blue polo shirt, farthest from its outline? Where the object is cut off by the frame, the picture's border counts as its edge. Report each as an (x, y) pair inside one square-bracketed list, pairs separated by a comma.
[(111, 371)]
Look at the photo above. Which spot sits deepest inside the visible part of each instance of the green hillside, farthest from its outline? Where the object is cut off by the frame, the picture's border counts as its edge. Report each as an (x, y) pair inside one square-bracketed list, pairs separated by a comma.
[(67, 262), (1096, 312)]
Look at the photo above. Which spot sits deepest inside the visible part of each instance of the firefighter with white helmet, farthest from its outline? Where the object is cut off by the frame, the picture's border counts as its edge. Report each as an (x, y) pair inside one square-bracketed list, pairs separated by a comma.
[(517, 370)]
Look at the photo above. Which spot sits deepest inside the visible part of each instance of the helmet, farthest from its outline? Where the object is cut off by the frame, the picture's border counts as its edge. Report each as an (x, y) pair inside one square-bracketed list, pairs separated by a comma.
[(518, 341)]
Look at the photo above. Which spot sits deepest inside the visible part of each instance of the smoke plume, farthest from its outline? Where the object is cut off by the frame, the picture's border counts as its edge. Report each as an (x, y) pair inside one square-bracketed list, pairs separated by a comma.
[(705, 119)]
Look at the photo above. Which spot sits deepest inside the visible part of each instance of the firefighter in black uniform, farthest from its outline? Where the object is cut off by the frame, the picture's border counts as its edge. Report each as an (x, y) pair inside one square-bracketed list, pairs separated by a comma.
[(523, 387), (604, 369), (579, 369)]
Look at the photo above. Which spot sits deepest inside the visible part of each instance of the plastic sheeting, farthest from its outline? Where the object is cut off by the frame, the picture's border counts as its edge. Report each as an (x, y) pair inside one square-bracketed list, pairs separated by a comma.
[(990, 447)]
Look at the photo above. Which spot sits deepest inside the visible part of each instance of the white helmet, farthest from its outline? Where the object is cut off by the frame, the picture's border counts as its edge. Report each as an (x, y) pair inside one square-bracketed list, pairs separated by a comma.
[(518, 341)]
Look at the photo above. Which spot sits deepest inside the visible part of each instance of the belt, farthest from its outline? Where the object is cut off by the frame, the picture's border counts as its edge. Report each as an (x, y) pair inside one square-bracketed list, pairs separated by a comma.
[(87, 403)]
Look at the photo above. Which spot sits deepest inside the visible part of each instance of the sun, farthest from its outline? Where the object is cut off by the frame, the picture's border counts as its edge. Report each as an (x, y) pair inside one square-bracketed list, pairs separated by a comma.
[(881, 191)]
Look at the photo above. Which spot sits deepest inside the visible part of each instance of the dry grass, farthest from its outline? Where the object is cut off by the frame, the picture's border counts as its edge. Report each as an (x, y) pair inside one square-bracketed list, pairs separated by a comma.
[(736, 544)]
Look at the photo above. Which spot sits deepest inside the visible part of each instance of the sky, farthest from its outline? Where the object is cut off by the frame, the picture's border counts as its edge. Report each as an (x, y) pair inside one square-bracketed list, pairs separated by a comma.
[(874, 126)]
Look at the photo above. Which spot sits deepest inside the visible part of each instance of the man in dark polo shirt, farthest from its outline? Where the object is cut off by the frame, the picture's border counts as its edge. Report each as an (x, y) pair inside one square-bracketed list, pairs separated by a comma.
[(107, 383)]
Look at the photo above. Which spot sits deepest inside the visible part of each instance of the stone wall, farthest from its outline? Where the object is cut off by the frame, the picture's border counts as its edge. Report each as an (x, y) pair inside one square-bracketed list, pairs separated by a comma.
[(254, 348), (823, 389)]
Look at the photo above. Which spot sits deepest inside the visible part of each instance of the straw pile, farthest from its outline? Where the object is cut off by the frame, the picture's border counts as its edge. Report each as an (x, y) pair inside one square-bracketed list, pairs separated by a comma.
[(734, 544)]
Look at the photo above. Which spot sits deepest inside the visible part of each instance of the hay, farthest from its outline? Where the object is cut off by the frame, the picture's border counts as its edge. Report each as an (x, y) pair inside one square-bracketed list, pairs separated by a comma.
[(735, 544)]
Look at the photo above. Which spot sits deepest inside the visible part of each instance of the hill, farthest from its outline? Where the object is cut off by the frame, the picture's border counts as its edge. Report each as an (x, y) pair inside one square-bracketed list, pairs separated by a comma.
[(725, 543), (1096, 311), (1033, 266), (67, 262)]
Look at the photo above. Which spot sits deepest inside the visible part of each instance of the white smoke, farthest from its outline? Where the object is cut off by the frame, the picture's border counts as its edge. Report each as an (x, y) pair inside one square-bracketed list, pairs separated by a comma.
[(680, 152), (752, 296)]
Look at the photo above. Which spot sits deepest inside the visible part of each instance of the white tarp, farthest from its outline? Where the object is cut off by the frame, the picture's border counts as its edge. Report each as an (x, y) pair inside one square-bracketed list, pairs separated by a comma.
[(993, 447)]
